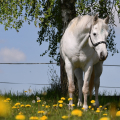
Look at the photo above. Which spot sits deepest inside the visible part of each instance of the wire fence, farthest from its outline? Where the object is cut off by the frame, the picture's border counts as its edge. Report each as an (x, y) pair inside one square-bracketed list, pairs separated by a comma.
[(49, 84)]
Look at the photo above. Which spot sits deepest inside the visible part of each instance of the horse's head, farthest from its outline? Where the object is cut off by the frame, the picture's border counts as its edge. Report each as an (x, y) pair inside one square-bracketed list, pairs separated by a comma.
[(98, 36)]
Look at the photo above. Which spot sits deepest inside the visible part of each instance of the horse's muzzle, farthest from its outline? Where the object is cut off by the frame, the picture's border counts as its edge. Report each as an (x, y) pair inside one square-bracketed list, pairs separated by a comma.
[(102, 56)]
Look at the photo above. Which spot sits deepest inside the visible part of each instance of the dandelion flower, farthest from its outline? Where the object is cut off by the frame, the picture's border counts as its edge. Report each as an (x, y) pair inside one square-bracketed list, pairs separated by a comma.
[(14, 107), (105, 108), (43, 105), (100, 106), (64, 117), (104, 118), (77, 112), (41, 111), (38, 100), (20, 113), (27, 105), (25, 91), (47, 106), (105, 114), (17, 104), (98, 110), (20, 117), (89, 107), (69, 99), (4, 108), (60, 105), (92, 101), (8, 99), (33, 118), (73, 105), (118, 113), (22, 105), (62, 98), (43, 117), (83, 108), (55, 105), (92, 109), (60, 101)]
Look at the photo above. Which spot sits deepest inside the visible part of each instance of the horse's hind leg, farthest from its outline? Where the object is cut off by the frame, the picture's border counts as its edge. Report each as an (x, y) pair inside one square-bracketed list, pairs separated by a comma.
[(70, 76), (79, 75), (98, 72)]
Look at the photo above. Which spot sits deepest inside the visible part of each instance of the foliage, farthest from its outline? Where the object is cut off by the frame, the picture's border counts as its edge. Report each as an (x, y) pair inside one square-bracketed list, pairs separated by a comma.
[(47, 15)]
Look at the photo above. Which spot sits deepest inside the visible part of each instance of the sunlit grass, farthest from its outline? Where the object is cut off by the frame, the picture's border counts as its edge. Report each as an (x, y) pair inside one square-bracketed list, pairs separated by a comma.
[(38, 107)]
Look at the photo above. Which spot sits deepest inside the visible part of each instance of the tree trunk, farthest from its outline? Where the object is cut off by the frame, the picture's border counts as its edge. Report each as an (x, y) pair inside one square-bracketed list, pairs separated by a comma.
[(68, 13)]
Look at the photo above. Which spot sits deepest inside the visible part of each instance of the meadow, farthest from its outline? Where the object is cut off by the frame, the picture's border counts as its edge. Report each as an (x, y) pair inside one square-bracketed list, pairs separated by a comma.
[(51, 105)]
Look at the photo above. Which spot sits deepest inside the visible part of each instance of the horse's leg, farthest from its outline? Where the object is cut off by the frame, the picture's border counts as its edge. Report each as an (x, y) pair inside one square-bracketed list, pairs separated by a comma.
[(79, 75), (98, 72), (87, 75), (70, 76)]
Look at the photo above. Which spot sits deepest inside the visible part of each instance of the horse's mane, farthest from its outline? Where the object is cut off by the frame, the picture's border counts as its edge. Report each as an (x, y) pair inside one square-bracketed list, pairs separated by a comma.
[(84, 22)]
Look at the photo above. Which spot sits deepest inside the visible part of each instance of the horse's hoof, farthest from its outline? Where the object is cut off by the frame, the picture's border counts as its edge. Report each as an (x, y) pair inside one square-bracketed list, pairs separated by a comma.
[(79, 104), (85, 107)]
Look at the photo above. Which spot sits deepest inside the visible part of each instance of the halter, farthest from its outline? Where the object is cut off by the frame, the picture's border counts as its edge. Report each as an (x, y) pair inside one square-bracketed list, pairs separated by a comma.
[(96, 44)]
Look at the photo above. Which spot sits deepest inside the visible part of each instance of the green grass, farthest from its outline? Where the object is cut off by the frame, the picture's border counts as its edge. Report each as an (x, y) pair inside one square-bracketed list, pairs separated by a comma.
[(112, 103)]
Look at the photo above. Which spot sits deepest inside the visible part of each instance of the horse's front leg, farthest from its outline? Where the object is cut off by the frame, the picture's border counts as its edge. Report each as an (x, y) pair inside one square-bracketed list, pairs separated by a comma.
[(85, 89), (70, 76)]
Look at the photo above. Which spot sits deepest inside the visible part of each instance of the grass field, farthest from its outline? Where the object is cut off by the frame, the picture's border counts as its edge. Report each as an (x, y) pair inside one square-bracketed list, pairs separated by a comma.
[(50, 106)]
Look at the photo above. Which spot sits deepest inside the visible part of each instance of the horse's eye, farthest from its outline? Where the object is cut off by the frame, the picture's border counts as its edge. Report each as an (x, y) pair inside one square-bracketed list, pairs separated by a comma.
[(94, 34)]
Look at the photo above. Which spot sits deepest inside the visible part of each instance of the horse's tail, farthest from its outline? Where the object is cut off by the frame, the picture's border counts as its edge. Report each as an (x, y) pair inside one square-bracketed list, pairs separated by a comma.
[(91, 83)]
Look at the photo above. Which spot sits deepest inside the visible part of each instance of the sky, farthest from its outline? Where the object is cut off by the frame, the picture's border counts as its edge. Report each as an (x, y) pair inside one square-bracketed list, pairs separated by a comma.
[(22, 47)]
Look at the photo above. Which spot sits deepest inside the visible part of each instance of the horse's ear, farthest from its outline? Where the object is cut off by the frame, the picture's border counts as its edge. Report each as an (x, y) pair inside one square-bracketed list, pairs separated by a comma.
[(106, 20), (95, 19)]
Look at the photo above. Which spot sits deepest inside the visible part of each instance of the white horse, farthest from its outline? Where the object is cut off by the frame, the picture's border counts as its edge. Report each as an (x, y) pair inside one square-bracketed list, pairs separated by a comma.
[(83, 48)]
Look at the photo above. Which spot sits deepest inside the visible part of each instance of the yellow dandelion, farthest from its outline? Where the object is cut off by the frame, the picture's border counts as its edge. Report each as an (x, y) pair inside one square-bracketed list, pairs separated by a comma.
[(69, 99), (27, 105), (76, 112), (104, 118), (33, 118), (22, 105), (92, 109), (47, 106), (14, 107), (118, 113), (92, 101), (105, 108), (105, 114), (100, 106), (55, 105), (20, 113), (65, 117), (60, 101), (60, 105), (83, 108), (8, 99), (62, 98), (38, 100), (4, 108), (98, 110), (73, 105), (89, 107), (41, 111), (43, 105), (25, 91), (17, 104), (20, 117), (43, 118)]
